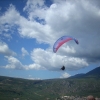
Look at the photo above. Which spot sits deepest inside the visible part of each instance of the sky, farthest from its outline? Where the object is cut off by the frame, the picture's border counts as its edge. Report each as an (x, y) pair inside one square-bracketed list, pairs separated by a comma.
[(29, 29)]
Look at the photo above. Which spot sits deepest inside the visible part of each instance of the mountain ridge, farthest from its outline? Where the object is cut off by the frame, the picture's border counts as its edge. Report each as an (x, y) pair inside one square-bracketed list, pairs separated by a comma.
[(93, 73)]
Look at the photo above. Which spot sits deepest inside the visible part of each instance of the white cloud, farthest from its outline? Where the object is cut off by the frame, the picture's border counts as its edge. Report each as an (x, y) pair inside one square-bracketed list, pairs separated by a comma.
[(73, 63), (7, 36), (52, 61), (8, 21), (46, 60), (36, 6), (60, 21), (7, 17), (65, 75), (33, 78), (4, 49), (34, 66), (26, 28), (13, 63), (24, 52), (80, 19)]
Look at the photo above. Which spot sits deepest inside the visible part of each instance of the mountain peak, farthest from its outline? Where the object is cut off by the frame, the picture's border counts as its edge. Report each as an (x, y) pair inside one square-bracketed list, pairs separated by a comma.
[(95, 71)]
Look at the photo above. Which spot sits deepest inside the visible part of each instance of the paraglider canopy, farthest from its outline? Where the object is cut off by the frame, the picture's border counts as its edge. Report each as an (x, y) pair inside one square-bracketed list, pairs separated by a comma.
[(61, 41)]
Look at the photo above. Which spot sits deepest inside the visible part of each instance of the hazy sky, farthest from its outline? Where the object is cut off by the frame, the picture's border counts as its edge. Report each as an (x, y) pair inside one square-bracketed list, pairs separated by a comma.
[(29, 29)]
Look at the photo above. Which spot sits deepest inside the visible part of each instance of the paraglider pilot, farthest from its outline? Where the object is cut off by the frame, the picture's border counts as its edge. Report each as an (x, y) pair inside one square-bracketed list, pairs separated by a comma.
[(63, 68)]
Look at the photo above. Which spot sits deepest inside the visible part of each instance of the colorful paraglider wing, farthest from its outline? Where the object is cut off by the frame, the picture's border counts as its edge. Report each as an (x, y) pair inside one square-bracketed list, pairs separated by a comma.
[(61, 41)]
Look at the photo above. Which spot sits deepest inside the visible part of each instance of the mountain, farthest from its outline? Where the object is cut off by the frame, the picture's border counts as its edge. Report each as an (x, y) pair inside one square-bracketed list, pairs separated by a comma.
[(24, 89), (93, 73), (78, 75)]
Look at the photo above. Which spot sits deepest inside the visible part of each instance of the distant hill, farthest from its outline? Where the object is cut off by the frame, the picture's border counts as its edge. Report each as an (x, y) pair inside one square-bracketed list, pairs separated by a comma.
[(24, 89), (77, 76), (93, 73)]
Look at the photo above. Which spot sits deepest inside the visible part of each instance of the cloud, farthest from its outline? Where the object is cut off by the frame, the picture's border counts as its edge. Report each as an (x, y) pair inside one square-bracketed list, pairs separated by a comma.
[(24, 52), (8, 22), (4, 49), (14, 63), (59, 21), (38, 7), (25, 27), (65, 75), (52, 61), (80, 19), (33, 78), (7, 36), (7, 17), (46, 60), (34, 66)]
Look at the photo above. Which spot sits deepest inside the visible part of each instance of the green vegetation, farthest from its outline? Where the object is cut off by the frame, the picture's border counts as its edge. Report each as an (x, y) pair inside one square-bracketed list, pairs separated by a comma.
[(23, 89)]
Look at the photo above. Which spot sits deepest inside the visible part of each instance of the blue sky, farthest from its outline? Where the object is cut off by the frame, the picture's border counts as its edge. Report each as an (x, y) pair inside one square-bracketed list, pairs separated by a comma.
[(29, 28)]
